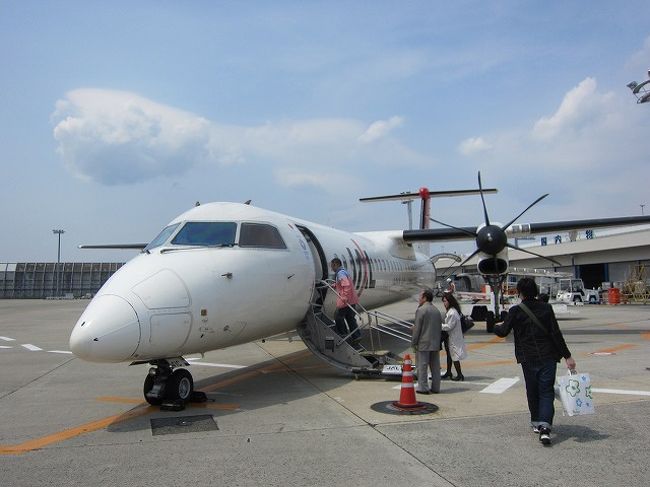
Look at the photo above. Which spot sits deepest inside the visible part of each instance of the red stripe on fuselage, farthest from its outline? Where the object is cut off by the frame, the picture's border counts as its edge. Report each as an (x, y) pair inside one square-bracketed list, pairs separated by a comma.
[(366, 272)]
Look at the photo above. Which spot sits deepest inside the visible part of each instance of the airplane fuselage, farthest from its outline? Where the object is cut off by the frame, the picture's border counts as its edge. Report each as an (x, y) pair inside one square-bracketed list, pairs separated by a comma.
[(223, 274)]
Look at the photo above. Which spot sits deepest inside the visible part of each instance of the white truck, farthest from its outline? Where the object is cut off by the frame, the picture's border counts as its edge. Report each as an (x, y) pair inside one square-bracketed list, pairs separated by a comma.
[(572, 291)]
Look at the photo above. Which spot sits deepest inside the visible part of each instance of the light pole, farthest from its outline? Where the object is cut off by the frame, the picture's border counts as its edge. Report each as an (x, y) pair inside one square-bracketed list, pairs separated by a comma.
[(58, 258)]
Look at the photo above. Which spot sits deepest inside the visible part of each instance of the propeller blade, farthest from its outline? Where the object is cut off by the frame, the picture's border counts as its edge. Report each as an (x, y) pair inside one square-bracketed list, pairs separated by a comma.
[(514, 247), (480, 187), (529, 207), (461, 264), (467, 232)]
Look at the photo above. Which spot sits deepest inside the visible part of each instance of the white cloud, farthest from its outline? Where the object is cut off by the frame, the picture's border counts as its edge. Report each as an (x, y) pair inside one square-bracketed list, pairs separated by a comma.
[(592, 150), (380, 129), (473, 145), (294, 178), (579, 107), (116, 137)]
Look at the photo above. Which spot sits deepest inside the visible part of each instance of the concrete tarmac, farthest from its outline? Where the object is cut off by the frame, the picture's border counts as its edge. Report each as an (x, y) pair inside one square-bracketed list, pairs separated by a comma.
[(278, 416)]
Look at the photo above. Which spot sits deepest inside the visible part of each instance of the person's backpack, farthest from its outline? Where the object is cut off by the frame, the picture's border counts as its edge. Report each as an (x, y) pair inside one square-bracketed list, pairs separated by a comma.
[(466, 323)]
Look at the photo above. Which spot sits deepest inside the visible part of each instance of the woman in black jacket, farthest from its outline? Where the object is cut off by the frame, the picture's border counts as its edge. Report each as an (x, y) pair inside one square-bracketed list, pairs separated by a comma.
[(539, 345)]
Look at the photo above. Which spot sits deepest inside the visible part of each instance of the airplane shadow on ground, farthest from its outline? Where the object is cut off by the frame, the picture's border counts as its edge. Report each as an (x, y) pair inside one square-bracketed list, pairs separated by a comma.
[(250, 385)]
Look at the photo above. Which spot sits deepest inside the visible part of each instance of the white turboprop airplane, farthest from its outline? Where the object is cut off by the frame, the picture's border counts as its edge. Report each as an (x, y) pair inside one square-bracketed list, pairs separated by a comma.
[(223, 274)]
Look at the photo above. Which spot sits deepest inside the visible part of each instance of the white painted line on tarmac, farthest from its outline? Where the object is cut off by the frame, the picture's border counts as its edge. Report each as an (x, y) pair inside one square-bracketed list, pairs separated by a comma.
[(59, 351), (621, 391), (195, 361), (500, 385), (5, 346), (7, 339), (31, 347), (451, 383)]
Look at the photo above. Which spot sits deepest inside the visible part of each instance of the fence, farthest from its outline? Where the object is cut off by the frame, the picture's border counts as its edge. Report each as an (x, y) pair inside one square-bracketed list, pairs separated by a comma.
[(39, 280)]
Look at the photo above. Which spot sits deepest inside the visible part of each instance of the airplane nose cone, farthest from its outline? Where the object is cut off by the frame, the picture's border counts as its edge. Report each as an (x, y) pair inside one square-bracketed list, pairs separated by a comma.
[(107, 331)]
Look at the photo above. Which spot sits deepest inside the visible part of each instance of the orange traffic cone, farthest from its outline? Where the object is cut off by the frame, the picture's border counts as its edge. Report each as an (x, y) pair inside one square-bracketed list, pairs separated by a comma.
[(407, 391)]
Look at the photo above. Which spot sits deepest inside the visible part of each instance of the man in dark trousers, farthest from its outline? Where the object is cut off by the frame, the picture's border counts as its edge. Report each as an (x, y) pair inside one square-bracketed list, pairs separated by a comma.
[(539, 346), (426, 343)]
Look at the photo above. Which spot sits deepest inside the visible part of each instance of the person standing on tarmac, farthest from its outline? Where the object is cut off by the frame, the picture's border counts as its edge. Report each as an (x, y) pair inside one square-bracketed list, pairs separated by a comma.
[(346, 297), (452, 325), (539, 345), (426, 343)]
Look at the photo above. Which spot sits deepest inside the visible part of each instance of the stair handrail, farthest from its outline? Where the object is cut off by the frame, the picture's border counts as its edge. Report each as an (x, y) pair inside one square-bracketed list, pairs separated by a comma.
[(402, 335), (377, 315)]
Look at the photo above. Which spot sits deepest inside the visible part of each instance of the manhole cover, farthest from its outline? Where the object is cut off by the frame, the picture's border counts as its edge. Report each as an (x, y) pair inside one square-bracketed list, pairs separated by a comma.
[(183, 424)]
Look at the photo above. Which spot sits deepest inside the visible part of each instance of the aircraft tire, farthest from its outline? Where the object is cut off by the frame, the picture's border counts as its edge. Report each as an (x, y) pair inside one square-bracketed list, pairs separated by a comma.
[(489, 322), (180, 385), (148, 385)]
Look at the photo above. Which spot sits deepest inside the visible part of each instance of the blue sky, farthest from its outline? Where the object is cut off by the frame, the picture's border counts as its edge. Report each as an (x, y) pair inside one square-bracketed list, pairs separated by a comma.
[(117, 116)]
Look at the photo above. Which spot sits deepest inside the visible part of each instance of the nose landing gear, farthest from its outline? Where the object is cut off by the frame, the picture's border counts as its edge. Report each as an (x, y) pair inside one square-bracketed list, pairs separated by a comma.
[(163, 383)]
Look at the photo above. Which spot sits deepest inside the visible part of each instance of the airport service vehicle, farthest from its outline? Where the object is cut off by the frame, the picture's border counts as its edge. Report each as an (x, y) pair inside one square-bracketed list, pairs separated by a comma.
[(573, 291), (223, 274)]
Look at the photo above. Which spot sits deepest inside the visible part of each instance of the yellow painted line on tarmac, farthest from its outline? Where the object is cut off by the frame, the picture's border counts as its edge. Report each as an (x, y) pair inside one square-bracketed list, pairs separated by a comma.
[(44, 441), (617, 348), (218, 406), (120, 400), (478, 363), (73, 432), (491, 341), (142, 410)]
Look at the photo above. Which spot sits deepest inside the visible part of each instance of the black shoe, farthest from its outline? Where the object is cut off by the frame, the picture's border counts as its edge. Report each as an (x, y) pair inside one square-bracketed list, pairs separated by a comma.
[(421, 392), (544, 435), (458, 378), (446, 376)]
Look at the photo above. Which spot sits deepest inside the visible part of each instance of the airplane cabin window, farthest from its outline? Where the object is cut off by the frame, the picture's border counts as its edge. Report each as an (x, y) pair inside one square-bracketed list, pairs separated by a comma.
[(162, 237), (260, 235), (207, 233)]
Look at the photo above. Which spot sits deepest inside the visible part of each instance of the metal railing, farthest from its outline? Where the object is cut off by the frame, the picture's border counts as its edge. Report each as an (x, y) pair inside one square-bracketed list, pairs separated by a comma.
[(377, 326)]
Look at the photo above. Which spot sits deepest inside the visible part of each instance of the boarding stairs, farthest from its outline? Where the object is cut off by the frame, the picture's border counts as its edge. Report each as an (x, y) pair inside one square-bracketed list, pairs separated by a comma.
[(318, 332)]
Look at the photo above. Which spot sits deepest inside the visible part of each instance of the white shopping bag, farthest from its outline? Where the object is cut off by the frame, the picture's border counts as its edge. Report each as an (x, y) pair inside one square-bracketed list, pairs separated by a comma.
[(574, 391)]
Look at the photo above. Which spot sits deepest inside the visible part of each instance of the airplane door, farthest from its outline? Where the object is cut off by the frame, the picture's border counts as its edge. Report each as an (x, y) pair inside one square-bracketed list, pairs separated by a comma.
[(318, 256)]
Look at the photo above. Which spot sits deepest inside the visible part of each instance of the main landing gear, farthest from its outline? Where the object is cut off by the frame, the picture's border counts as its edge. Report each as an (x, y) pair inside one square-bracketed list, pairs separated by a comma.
[(164, 384)]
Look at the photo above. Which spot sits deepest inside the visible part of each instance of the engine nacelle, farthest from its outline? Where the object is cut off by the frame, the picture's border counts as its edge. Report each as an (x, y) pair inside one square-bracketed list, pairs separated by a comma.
[(493, 265)]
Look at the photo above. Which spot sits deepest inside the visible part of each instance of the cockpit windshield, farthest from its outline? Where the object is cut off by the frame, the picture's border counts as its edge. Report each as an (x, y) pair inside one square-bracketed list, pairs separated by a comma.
[(162, 237), (206, 233)]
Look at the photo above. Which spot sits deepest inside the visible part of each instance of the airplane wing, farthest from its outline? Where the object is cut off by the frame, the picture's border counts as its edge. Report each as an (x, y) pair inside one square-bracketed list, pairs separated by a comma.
[(432, 194), (134, 246), (523, 229)]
